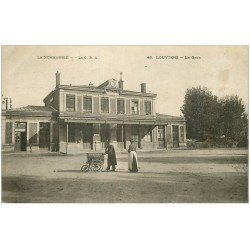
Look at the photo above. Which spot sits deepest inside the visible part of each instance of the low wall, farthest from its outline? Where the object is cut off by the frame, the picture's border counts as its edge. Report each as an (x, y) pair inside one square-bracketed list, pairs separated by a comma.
[(8, 147)]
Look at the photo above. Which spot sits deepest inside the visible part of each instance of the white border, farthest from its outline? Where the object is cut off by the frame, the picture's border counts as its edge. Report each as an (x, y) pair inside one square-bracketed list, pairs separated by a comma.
[(145, 226)]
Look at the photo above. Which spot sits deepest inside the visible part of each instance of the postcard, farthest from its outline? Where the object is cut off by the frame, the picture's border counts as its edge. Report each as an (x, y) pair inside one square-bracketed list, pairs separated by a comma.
[(124, 124)]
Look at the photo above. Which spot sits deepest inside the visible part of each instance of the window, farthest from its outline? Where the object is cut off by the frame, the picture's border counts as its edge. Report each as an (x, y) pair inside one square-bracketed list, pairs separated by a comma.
[(181, 134), (120, 106), (161, 133), (71, 133), (87, 104), (20, 125), (119, 133), (148, 136), (70, 103), (134, 107), (44, 125), (105, 105), (147, 107)]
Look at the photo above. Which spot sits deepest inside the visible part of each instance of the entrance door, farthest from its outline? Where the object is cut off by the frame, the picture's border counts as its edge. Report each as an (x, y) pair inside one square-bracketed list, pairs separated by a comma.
[(18, 141), (175, 136), (161, 137), (87, 136), (121, 136), (20, 136), (135, 135), (105, 133), (23, 141), (44, 135)]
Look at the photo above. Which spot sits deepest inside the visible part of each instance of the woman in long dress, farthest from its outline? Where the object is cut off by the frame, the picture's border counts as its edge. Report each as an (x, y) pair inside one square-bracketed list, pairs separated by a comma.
[(132, 158)]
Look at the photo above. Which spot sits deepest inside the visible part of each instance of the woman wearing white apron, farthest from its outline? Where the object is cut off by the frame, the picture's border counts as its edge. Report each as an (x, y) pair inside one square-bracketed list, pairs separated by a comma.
[(132, 158)]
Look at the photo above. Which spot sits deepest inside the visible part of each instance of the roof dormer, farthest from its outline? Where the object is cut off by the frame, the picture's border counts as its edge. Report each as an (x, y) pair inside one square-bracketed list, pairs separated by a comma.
[(109, 84)]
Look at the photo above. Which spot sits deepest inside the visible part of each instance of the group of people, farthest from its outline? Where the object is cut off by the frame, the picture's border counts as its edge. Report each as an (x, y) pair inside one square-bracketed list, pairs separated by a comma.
[(132, 157)]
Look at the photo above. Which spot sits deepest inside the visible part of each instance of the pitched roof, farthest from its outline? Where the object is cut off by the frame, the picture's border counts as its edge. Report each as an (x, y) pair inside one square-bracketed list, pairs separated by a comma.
[(35, 109), (168, 117)]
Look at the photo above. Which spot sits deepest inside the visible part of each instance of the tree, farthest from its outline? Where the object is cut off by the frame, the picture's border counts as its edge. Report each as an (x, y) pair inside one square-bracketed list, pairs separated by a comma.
[(201, 110), (234, 120), (208, 117)]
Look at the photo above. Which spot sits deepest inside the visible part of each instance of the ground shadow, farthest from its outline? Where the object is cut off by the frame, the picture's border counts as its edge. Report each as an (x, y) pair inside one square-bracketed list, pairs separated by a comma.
[(193, 159), (137, 188), (69, 171)]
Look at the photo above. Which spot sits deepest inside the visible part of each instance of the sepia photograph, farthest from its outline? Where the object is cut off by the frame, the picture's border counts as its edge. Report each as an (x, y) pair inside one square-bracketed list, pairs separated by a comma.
[(124, 124)]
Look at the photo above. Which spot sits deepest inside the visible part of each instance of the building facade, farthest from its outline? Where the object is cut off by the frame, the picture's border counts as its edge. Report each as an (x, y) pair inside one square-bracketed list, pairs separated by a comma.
[(82, 118)]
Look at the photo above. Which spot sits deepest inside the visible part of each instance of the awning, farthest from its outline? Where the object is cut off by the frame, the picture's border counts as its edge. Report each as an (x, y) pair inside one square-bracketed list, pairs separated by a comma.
[(109, 121)]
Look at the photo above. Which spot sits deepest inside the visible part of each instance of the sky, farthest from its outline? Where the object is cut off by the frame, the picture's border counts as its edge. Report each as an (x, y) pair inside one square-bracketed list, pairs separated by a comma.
[(28, 75)]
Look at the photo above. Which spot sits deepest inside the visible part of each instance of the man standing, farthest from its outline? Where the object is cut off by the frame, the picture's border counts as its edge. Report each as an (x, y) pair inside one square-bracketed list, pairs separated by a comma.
[(110, 150)]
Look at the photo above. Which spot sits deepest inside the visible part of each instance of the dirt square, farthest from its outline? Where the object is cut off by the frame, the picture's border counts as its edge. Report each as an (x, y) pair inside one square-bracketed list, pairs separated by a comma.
[(179, 176)]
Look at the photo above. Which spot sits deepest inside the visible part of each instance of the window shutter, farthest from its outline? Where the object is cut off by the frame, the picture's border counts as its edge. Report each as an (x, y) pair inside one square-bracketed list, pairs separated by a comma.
[(120, 106), (112, 105), (128, 107), (79, 104), (168, 132), (181, 134), (8, 133), (33, 133), (141, 107), (55, 132), (147, 107), (96, 104)]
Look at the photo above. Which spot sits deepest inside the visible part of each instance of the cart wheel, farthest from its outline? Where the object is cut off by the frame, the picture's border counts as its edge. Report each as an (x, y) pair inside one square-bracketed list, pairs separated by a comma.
[(85, 168), (96, 166), (101, 167)]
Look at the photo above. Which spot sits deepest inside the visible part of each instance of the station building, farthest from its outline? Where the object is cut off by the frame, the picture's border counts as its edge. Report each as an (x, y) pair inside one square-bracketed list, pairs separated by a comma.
[(82, 118)]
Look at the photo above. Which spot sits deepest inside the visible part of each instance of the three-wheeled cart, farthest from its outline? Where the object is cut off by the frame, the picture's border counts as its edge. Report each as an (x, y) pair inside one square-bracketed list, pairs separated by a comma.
[(94, 162)]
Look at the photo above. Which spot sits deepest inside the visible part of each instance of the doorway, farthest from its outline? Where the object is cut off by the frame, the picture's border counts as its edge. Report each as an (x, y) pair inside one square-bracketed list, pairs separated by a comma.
[(161, 137), (87, 136), (105, 133), (20, 136), (121, 136), (175, 136), (135, 135), (44, 135)]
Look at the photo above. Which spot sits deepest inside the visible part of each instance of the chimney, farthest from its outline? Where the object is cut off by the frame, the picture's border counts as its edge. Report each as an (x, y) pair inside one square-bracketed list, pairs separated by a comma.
[(7, 103), (120, 82), (57, 78), (143, 88)]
